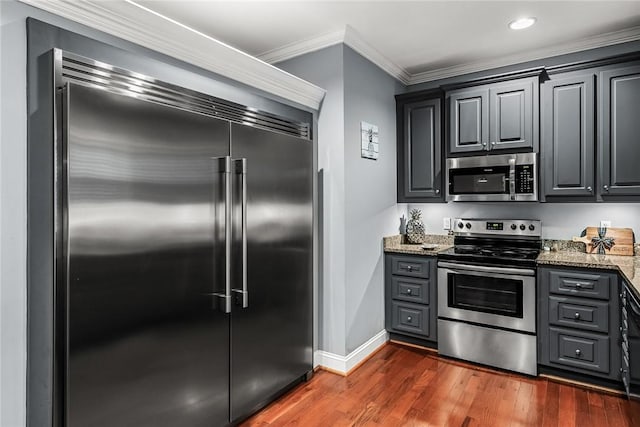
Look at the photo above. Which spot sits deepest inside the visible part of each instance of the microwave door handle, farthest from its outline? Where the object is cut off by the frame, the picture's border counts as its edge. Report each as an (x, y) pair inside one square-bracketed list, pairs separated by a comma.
[(512, 178)]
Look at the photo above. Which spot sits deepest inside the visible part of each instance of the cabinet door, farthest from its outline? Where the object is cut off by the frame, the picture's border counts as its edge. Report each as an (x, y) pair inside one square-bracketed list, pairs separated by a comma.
[(422, 152), (511, 115), (620, 126), (468, 120), (568, 135)]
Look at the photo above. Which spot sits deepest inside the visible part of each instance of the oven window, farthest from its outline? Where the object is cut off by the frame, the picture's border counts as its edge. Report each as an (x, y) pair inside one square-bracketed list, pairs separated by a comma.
[(486, 294), (488, 180)]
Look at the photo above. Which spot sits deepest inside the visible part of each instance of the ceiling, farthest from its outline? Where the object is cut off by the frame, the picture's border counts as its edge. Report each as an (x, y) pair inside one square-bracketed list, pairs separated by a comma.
[(412, 40)]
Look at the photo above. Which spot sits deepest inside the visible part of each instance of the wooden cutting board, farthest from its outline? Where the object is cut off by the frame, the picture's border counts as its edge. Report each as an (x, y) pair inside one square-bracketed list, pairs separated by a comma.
[(622, 239)]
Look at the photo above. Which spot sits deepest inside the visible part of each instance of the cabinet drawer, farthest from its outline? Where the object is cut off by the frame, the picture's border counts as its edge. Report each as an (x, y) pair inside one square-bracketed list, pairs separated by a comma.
[(579, 284), (581, 350), (410, 266), (413, 318), (579, 313), (409, 289)]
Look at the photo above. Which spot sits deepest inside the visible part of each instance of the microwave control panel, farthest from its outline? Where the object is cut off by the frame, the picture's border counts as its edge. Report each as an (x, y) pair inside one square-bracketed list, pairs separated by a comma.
[(524, 179)]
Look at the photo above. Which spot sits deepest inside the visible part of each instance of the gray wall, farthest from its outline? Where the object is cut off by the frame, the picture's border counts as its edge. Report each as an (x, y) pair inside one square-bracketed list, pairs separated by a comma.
[(325, 69), (370, 205), (559, 220), (358, 194)]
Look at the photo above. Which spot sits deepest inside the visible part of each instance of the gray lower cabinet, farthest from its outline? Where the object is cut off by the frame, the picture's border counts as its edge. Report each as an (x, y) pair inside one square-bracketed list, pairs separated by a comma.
[(494, 117), (567, 125), (578, 322), (420, 159), (619, 147), (410, 296)]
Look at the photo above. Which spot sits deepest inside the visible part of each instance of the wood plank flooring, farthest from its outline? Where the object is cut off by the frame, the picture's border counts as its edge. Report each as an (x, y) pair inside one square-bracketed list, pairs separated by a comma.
[(404, 386)]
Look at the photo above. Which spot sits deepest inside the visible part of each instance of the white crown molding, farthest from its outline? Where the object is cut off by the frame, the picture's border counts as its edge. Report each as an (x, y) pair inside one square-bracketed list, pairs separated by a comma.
[(352, 39), (139, 25), (302, 47), (347, 36), (601, 40), (344, 364)]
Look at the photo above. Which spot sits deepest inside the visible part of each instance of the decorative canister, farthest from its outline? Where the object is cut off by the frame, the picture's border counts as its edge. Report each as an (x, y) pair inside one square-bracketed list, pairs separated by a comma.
[(415, 227)]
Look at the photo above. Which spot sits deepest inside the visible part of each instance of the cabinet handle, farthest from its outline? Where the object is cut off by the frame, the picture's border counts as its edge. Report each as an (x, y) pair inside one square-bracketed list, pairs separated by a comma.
[(577, 316), (408, 291), (408, 318), (437, 191), (409, 268), (589, 189), (578, 352), (484, 144), (493, 143), (605, 187)]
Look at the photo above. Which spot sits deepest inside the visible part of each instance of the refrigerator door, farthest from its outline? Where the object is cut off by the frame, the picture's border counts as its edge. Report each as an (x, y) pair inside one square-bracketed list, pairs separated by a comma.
[(145, 342), (271, 342)]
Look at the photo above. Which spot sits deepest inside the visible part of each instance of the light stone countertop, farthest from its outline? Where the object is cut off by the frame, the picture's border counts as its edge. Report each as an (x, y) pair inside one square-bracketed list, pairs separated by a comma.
[(628, 266), (396, 244)]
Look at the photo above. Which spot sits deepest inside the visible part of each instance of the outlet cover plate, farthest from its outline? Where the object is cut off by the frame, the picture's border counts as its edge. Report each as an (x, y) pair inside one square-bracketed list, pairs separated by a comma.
[(605, 223)]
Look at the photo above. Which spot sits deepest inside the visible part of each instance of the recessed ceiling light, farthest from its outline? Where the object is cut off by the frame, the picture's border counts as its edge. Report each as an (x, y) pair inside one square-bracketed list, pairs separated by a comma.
[(522, 23)]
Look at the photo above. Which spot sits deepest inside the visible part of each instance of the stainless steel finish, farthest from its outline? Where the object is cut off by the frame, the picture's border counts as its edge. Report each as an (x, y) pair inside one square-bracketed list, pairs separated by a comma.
[(494, 347), (271, 340), (487, 269), (242, 293), (495, 160), (478, 228), (512, 179), (143, 254), (526, 323), (222, 166), (79, 69)]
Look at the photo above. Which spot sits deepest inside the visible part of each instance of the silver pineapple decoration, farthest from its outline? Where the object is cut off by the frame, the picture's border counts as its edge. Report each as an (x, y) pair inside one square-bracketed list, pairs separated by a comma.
[(415, 227)]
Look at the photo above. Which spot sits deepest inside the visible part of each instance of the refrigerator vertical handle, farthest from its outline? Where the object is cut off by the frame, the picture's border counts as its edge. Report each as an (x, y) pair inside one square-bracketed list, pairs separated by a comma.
[(242, 294), (222, 166)]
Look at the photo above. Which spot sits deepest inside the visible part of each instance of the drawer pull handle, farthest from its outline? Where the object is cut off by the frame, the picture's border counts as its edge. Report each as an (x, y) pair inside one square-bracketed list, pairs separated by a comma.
[(409, 268), (408, 318), (577, 316), (578, 285), (578, 352), (408, 291)]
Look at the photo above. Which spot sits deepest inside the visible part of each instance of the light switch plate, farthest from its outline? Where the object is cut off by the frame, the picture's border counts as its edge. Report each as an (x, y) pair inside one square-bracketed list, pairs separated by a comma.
[(446, 223)]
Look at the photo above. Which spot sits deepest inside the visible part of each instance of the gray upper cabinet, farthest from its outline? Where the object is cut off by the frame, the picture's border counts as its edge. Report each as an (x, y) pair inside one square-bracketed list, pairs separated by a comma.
[(619, 146), (567, 127), (468, 120), (420, 157), (511, 114), (497, 116)]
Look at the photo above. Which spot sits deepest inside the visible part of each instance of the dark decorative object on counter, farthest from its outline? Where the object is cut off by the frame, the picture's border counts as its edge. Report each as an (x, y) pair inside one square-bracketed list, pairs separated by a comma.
[(601, 242), (415, 227)]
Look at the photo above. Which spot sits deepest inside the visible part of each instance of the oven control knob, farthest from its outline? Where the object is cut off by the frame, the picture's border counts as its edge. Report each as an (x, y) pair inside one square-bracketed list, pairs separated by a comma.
[(522, 227), (460, 225), (532, 227), (468, 225), (513, 226)]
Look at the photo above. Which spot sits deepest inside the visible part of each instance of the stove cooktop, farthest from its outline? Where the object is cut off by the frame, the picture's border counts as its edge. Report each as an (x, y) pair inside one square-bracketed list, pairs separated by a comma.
[(481, 254)]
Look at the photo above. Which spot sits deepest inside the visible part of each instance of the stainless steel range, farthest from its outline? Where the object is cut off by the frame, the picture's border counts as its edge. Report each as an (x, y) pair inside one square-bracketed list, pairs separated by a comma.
[(487, 293)]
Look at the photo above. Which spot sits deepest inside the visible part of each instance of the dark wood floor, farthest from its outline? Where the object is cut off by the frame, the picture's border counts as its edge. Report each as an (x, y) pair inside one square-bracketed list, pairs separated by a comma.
[(403, 386)]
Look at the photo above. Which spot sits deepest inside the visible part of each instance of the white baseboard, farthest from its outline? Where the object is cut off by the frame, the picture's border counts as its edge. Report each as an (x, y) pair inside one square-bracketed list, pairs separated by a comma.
[(343, 364)]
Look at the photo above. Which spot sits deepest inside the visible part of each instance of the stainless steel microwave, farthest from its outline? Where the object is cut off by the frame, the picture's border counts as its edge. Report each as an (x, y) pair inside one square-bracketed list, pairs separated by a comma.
[(505, 177)]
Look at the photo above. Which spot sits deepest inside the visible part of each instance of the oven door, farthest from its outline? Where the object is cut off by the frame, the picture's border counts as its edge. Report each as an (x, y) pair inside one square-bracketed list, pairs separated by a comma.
[(495, 296)]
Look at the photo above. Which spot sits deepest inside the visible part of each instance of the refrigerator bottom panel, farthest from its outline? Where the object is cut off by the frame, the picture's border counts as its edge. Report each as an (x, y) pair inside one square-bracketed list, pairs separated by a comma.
[(508, 350)]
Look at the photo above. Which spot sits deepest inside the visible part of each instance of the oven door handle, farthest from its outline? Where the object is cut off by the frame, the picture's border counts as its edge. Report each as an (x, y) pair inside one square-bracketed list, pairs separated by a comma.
[(483, 269)]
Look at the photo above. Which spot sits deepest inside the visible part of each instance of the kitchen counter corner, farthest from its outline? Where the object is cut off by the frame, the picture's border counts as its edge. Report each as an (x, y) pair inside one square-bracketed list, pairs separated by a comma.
[(395, 244)]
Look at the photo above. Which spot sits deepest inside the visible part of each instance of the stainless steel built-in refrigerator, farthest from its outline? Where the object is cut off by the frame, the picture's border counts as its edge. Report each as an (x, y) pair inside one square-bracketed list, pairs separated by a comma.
[(184, 254)]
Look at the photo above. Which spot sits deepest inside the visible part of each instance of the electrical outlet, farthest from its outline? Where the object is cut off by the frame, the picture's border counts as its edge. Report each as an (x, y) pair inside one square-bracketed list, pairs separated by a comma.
[(605, 223), (446, 223)]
